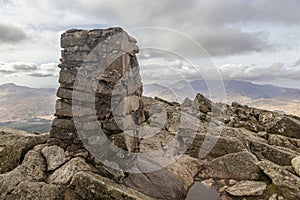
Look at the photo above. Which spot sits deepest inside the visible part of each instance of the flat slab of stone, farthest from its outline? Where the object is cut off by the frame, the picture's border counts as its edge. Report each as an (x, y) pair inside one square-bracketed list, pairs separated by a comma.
[(247, 188), (89, 185), (240, 166), (285, 181)]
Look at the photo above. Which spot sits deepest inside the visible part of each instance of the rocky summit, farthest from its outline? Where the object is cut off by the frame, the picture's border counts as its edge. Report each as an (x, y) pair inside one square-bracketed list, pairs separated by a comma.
[(110, 142)]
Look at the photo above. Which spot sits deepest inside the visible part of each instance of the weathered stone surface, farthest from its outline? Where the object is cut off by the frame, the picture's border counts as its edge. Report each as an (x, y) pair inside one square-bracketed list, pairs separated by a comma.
[(224, 145), (247, 188), (160, 184), (239, 166), (286, 182), (281, 156), (36, 190), (260, 120), (14, 144), (276, 197), (55, 156), (296, 164), (204, 104), (208, 183), (65, 173), (77, 37), (88, 185), (279, 140), (185, 169), (32, 168)]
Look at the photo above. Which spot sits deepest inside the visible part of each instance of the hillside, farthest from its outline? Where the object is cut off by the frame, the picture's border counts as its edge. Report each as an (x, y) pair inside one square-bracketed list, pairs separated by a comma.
[(25, 108)]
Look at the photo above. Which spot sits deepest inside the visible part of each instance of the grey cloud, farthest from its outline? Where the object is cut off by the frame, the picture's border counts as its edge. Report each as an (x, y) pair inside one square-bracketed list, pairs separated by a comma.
[(179, 13), (284, 12), (7, 72), (229, 41), (29, 69), (214, 24), (25, 67), (11, 34)]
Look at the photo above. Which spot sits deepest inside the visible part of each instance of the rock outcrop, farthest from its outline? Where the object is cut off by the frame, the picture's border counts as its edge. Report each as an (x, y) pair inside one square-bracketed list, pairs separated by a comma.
[(103, 121)]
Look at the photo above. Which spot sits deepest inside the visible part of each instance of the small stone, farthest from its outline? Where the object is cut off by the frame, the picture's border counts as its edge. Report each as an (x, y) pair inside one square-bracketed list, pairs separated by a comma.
[(247, 188), (232, 182), (263, 134), (280, 197), (296, 164), (208, 183), (223, 189), (222, 182), (273, 197)]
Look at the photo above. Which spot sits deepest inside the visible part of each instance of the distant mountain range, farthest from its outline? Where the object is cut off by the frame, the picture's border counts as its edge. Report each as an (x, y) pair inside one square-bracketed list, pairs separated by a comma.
[(32, 109), (25, 108), (267, 97)]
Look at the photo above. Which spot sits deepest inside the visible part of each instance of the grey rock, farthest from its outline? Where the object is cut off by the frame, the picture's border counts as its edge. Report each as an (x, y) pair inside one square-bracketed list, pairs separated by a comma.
[(247, 188), (160, 184), (55, 156), (37, 190), (33, 168), (88, 185), (208, 183), (281, 156), (239, 166), (286, 182), (296, 164), (279, 140), (65, 173), (224, 145), (14, 144)]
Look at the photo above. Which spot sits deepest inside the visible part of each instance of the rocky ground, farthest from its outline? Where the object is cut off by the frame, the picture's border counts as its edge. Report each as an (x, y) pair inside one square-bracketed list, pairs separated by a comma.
[(256, 156)]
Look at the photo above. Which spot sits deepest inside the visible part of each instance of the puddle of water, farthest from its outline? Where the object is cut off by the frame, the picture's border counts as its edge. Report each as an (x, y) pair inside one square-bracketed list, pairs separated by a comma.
[(200, 192)]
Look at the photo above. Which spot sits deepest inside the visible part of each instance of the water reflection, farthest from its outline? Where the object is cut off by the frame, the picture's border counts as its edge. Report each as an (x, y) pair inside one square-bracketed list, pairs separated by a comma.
[(200, 192)]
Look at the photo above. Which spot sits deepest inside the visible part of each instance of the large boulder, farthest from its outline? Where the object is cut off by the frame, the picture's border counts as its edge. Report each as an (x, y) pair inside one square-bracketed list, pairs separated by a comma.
[(238, 166), (88, 185), (285, 181)]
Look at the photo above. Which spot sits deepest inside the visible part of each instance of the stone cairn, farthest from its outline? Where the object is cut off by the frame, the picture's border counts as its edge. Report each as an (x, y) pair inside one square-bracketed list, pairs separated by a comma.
[(100, 90)]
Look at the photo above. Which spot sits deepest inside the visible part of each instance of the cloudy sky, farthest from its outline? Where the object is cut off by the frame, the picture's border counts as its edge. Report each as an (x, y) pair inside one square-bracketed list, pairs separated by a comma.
[(255, 40)]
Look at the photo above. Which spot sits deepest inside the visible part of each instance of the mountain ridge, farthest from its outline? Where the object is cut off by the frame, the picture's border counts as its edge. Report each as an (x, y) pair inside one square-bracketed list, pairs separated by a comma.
[(265, 96)]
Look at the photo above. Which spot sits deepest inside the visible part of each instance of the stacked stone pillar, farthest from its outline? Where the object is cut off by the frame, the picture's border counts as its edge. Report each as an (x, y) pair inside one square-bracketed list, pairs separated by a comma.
[(99, 80)]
